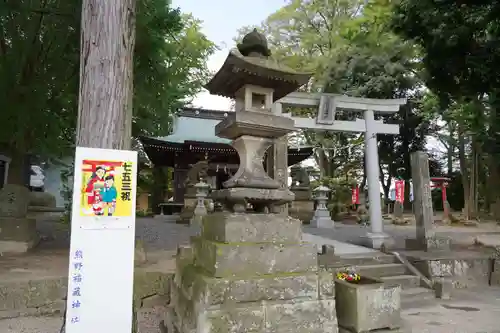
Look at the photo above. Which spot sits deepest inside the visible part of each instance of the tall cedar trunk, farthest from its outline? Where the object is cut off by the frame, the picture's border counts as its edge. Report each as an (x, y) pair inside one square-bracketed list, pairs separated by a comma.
[(491, 147), (473, 201), (106, 74), (465, 172), (451, 148)]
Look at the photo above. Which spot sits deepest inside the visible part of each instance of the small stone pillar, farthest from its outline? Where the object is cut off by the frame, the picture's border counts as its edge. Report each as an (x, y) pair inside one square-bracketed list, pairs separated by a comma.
[(200, 210), (321, 218)]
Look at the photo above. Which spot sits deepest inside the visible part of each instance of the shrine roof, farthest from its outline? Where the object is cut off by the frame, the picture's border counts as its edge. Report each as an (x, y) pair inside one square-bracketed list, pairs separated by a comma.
[(194, 129)]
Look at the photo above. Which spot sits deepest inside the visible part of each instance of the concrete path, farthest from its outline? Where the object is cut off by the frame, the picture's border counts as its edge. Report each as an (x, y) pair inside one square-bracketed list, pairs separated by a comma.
[(340, 247), (470, 311)]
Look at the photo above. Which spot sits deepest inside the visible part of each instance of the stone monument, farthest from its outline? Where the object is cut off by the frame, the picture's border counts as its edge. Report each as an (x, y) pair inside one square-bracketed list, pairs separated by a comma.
[(17, 232), (302, 206), (322, 217), (249, 270), (424, 215)]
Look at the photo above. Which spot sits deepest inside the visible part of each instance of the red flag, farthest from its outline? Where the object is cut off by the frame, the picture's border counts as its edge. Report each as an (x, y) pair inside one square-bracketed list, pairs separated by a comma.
[(400, 191), (355, 195)]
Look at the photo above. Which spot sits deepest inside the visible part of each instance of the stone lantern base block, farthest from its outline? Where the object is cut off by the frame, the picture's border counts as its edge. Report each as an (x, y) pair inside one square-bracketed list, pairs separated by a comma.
[(241, 227), (376, 240), (322, 219), (274, 316), (226, 259), (250, 273)]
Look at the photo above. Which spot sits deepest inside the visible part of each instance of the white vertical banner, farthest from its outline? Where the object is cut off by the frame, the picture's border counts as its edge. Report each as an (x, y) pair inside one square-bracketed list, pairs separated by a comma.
[(101, 262)]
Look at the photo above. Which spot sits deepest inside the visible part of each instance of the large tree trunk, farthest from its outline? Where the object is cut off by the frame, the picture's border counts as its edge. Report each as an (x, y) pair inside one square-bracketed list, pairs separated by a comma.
[(474, 179), (106, 79), (465, 172), (450, 147)]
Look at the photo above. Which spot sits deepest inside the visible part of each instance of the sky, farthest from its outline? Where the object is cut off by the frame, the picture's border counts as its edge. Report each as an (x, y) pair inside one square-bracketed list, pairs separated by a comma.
[(221, 21)]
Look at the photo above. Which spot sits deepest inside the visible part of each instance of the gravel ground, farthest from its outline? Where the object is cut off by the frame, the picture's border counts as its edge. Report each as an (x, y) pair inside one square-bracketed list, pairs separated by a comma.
[(156, 234)]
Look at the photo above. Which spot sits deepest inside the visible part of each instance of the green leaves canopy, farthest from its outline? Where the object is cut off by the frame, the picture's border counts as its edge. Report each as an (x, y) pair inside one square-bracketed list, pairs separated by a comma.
[(39, 68)]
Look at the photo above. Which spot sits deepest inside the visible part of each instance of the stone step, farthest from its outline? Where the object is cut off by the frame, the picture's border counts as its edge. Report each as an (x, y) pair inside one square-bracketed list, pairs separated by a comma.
[(406, 281), (381, 270), (416, 297)]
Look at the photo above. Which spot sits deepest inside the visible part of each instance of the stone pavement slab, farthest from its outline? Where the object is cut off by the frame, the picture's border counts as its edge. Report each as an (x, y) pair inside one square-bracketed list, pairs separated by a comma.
[(31, 325), (340, 247), (469, 311)]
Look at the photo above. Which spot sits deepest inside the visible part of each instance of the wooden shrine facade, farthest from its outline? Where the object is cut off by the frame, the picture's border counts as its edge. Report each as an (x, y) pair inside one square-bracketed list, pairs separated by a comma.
[(193, 140)]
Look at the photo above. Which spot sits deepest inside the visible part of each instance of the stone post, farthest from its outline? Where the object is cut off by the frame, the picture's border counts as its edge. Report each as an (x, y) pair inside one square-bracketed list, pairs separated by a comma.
[(321, 218), (422, 206), (376, 237), (422, 199)]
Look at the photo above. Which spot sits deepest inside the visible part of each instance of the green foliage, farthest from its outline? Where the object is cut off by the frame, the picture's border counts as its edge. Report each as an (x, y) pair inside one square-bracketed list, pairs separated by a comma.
[(170, 65), (349, 47), (459, 43), (39, 70), (378, 64)]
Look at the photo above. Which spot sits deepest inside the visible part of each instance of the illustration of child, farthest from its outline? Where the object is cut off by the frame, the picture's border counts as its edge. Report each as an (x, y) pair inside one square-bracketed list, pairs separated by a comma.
[(109, 194), (97, 203), (96, 178)]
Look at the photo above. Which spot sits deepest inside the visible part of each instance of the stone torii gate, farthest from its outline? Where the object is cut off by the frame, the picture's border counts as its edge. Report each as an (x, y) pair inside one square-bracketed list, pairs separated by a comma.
[(327, 105)]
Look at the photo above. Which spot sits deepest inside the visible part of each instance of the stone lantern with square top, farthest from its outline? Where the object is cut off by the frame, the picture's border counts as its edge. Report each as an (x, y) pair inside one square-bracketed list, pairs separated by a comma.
[(248, 271)]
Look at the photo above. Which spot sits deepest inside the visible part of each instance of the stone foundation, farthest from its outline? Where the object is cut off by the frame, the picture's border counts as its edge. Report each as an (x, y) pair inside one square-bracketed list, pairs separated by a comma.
[(250, 273), (44, 296), (17, 235), (302, 210), (464, 268), (430, 243), (187, 212)]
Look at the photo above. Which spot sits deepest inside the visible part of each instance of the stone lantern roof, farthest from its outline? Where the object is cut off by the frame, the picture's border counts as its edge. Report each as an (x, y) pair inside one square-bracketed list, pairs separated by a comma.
[(250, 64)]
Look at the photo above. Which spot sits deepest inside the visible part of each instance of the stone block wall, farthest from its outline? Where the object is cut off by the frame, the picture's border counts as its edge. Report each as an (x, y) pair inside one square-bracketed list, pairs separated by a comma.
[(250, 273)]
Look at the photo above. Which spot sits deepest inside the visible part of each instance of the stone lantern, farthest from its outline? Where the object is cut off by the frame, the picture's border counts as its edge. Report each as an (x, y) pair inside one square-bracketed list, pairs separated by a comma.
[(202, 189), (200, 209), (321, 218), (249, 239)]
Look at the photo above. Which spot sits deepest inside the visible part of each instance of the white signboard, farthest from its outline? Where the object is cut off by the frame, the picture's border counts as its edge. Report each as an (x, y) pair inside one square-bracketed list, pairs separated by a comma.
[(101, 262)]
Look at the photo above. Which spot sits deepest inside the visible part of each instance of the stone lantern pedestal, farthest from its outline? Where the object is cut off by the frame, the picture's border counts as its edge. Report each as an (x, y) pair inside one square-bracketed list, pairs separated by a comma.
[(249, 271)]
